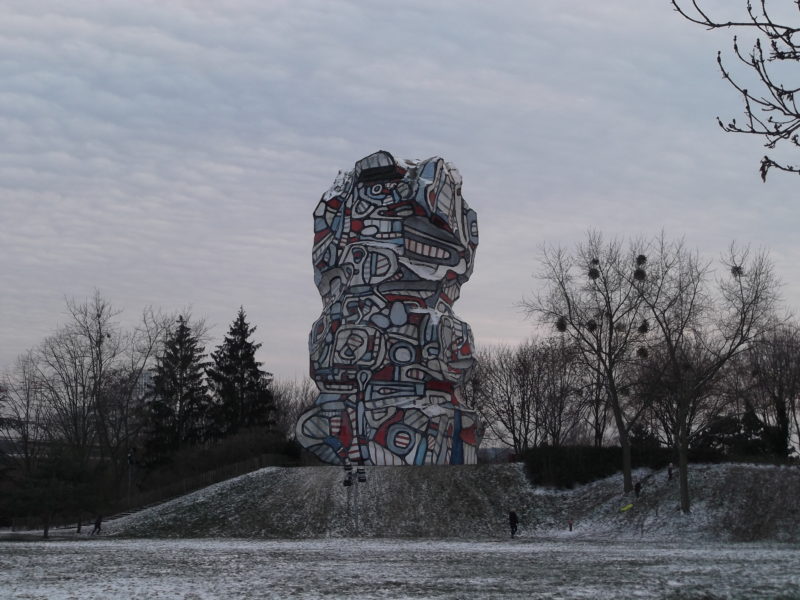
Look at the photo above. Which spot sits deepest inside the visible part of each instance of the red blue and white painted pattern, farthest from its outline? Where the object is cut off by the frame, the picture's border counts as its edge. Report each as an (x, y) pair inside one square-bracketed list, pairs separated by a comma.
[(394, 241)]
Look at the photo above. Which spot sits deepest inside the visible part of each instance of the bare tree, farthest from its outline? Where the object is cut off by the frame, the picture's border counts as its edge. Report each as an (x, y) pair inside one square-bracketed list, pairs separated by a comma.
[(292, 398), (591, 296), (660, 389), (595, 405), (771, 109), (506, 380), (562, 403), (91, 375), (76, 364), (529, 395), (22, 414), (35, 457), (120, 402), (74, 407), (774, 365), (700, 328)]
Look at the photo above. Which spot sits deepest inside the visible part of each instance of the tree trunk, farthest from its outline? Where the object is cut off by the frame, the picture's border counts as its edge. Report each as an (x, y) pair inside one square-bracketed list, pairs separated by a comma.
[(683, 467), (624, 442), (627, 463), (782, 418)]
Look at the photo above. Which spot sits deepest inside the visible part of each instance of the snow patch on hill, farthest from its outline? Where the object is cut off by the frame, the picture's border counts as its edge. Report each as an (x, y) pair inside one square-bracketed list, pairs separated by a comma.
[(733, 502)]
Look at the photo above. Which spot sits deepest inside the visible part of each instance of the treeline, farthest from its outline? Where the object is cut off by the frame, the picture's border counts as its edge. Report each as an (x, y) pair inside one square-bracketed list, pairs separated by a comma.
[(540, 394), (97, 412), (648, 346), (644, 345)]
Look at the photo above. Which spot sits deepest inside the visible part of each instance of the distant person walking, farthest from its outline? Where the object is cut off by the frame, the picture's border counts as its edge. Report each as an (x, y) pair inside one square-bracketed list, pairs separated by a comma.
[(513, 521), (669, 472), (97, 524), (638, 488)]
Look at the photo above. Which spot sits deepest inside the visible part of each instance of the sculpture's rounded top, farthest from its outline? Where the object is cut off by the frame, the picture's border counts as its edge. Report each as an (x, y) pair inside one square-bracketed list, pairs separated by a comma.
[(412, 209)]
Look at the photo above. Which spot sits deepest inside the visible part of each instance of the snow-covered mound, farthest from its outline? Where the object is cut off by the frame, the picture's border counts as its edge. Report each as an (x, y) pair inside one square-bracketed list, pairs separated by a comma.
[(729, 502)]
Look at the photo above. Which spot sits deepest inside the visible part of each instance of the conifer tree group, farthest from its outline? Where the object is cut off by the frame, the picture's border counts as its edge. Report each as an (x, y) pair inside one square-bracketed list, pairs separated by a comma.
[(194, 400), (97, 415)]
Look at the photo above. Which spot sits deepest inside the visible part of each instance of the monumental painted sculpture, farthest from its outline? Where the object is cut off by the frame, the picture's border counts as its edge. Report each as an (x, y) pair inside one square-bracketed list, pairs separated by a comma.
[(393, 243)]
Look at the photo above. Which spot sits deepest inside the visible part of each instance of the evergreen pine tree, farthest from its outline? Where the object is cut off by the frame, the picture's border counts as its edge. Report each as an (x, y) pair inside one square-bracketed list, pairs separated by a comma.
[(239, 385), (178, 406)]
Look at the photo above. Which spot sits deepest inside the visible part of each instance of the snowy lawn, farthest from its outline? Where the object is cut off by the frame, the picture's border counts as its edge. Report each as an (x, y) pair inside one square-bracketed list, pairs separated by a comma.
[(392, 568)]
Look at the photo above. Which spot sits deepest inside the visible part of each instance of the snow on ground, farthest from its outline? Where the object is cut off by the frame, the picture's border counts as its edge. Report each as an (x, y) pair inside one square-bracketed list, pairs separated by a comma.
[(395, 568), (432, 532)]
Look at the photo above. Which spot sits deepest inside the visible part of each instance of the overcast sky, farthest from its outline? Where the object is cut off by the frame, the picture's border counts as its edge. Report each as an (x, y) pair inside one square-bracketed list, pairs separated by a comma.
[(171, 153)]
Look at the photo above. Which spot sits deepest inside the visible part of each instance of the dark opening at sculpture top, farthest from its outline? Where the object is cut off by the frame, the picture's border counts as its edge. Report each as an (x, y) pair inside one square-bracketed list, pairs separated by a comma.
[(394, 241)]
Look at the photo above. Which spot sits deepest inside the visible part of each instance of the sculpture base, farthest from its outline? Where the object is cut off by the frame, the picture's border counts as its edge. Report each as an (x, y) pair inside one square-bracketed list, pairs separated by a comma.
[(342, 432)]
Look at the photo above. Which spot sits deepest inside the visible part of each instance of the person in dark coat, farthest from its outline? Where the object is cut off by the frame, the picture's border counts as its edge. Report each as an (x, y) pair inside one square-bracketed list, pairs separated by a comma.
[(512, 522), (97, 523)]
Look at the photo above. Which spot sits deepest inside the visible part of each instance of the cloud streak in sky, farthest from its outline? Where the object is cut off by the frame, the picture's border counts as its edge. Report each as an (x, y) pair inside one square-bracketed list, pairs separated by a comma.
[(170, 154)]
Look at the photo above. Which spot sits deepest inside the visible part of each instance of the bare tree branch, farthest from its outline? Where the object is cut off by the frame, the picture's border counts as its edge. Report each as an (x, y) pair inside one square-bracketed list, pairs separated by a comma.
[(772, 113)]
